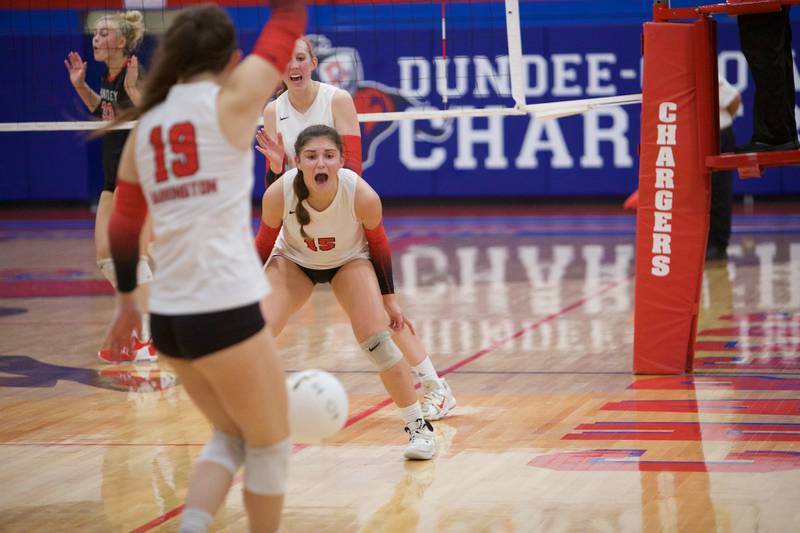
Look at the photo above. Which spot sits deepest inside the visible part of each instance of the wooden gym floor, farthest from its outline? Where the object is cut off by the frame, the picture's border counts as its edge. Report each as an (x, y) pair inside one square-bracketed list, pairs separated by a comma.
[(528, 314)]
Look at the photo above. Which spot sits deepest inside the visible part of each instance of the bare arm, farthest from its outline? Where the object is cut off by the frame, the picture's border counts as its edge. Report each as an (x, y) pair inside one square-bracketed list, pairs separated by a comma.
[(252, 81), (132, 81), (368, 208), (90, 98), (243, 96), (76, 67), (345, 117)]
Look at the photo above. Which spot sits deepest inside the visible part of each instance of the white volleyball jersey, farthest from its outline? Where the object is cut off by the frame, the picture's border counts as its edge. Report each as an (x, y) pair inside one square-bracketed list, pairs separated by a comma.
[(335, 235), (198, 190), (290, 122)]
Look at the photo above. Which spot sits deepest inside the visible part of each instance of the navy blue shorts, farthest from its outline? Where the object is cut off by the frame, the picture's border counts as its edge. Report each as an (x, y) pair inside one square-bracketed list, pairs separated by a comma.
[(193, 336)]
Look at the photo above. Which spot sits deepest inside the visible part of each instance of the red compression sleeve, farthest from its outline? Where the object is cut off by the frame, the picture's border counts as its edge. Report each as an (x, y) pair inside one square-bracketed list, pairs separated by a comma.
[(127, 219), (265, 240), (381, 256), (352, 152), (286, 24)]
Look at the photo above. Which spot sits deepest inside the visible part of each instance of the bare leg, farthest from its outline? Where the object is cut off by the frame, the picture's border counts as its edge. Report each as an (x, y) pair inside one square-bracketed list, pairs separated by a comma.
[(411, 346), (210, 481), (291, 288), (101, 219), (250, 382), (242, 390), (357, 291)]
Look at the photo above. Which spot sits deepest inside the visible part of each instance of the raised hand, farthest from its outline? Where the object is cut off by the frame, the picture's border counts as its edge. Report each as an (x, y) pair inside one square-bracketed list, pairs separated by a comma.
[(132, 74), (77, 69), (272, 149)]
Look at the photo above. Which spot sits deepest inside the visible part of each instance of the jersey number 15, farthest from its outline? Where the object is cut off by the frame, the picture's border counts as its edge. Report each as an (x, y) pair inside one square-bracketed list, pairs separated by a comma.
[(322, 244)]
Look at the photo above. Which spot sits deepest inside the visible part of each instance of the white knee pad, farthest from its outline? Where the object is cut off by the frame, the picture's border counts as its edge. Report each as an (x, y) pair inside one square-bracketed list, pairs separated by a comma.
[(382, 351), (143, 272), (224, 450), (265, 469)]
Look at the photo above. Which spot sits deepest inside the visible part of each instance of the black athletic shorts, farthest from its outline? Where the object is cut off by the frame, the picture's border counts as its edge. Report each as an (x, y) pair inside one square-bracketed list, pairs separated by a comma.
[(193, 336), (320, 275), (113, 143)]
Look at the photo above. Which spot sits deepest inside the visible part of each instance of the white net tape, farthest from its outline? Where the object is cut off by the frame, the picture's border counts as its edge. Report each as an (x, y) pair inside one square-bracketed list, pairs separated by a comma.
[(541, 112)]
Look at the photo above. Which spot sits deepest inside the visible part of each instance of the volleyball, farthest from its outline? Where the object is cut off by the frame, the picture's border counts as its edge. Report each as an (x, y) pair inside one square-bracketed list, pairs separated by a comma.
[(317, 405)]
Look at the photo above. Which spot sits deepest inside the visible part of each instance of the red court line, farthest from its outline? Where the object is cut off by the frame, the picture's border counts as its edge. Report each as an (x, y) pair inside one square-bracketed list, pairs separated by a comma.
[(172, 513), (387, 401)]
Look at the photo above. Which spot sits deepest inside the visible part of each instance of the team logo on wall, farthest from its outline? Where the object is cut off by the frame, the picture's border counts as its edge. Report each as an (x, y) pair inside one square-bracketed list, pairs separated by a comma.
[(342, 67)]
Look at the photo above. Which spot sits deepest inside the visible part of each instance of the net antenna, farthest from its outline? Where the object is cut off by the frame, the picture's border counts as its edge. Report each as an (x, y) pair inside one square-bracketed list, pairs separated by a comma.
[(444, 51), (514, 36)]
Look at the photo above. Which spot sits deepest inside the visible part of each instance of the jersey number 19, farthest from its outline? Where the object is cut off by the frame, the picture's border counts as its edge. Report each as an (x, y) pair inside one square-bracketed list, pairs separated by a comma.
[(182, 144)]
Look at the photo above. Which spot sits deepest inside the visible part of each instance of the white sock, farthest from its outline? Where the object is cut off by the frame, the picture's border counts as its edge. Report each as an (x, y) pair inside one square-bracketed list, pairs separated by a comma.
[(425, 372), (411, 413), (195, 521)]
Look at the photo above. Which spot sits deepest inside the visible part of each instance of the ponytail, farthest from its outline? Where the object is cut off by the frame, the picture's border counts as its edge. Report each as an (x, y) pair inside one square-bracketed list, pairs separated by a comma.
[(201, 38), (300, 211)]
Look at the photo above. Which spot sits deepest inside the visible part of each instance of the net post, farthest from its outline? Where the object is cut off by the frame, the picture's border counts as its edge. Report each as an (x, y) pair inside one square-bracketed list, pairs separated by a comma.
[(677, 134)]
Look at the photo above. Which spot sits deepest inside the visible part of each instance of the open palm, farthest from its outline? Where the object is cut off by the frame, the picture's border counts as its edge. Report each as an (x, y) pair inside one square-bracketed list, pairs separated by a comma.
[(76, 67), (271, 148), (132, 73)]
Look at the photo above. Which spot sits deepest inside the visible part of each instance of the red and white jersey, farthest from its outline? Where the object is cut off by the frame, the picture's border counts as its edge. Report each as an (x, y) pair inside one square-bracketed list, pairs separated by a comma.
[(335, 235), (198, 190), (290, 122)]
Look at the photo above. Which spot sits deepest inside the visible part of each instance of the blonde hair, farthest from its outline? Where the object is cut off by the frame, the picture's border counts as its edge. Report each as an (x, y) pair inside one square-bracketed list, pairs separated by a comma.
[(200, 38), (130, 25)]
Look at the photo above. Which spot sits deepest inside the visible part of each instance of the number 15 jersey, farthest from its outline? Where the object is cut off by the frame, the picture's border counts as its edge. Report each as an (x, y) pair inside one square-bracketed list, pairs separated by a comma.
[(198, 189), (334, 236)]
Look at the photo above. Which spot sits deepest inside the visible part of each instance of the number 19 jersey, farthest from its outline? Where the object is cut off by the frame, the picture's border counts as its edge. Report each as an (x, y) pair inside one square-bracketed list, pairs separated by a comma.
[(198, 189)]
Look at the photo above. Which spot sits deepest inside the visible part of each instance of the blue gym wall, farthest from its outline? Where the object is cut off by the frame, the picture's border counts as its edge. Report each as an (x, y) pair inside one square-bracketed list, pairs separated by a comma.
[(597, 42)]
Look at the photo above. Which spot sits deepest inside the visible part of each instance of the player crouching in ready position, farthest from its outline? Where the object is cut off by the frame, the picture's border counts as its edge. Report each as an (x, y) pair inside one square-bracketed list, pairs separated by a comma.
[(324, 225)]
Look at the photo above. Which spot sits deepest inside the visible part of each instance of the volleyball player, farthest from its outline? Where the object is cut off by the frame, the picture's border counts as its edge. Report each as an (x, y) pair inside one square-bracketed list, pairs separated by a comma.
[(307, 102), (115, 38), (327, 227), (189, 162)]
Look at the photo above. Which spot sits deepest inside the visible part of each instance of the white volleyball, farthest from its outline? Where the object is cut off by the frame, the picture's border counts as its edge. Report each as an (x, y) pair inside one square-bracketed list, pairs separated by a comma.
[(317, 405)]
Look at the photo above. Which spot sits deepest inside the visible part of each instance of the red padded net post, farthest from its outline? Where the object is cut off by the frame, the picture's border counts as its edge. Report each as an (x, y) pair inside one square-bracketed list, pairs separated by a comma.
[(680, 128)]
